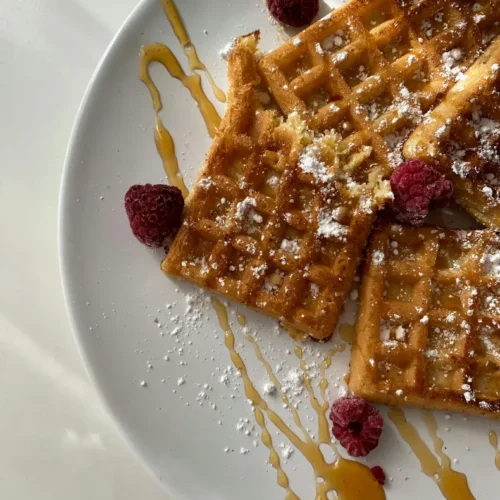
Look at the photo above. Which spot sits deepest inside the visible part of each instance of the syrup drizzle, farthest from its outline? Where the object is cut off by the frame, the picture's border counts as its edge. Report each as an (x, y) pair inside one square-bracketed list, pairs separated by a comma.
[(277, 383), (157, 52), (258, 404), (325, 364), (453, 484), (189, 49), (494, 442), (242, 320), (319, 407), (349, 479)]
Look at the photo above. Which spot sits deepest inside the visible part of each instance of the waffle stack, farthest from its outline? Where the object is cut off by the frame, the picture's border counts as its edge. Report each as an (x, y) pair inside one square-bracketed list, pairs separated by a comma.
[(277, 219), (428, 333), (372, 67), (462, 137), (283, 207)]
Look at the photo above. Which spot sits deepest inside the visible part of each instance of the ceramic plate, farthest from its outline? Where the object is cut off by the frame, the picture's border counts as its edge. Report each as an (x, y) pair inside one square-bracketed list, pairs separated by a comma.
[(154, 346)]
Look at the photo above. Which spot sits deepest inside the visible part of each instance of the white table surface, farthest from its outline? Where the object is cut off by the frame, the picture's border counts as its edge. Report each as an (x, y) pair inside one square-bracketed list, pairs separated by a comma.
[(57, 441)]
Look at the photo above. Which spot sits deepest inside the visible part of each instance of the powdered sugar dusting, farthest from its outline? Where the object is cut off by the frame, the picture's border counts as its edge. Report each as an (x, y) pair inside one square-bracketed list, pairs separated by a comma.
[(492, 264), (451, 63), (227, 50), (311, 163), (290, 246), (244, 207), (329, 227), (378, 258), (465, 159), (293, 382)]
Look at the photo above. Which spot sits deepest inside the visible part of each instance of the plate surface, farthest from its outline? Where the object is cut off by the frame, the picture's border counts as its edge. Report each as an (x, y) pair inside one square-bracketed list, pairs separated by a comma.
[(153, 345)]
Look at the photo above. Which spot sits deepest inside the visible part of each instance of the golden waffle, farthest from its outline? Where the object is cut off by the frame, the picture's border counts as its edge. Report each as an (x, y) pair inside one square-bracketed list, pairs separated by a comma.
[(462, 137), (372, 67), (428, 332), (276, 220)]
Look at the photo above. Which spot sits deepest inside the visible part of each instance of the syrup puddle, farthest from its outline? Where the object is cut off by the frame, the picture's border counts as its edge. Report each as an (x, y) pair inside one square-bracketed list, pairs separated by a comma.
[(157, 52), (494, 442), (350, 480), (296, 334), (453, 484), (282, 36), (347, 333)]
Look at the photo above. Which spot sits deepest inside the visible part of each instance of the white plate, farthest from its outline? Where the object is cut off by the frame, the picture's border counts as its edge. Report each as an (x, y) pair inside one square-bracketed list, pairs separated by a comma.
[(115, 290)]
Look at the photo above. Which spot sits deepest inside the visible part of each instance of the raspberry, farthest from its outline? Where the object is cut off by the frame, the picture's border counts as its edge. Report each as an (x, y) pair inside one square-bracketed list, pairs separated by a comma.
[(154, 212), (295, 13), (356, 424), (416, 186), (378, 474)]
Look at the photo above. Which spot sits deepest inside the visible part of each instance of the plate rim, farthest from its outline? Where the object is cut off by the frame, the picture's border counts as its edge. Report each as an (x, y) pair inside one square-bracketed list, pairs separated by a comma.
[(69, 167)]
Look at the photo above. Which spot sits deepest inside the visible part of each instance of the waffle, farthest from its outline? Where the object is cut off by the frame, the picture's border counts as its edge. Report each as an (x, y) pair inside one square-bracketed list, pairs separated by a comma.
[(372, 67), (462, 137), (277, 219), (428, 332)]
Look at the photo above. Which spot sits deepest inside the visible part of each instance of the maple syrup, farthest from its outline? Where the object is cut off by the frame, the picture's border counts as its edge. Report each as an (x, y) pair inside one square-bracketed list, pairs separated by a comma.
[(242, 320), (296, 334), (182, 35), (453, 484), (350, 480), (157, 52), (494, 442), (347, 333)]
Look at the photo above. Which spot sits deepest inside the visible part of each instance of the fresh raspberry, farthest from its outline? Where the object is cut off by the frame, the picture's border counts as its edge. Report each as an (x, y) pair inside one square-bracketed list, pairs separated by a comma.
[(154, 212), (415, 186), (378, 474), (356, 424), (295, 13)]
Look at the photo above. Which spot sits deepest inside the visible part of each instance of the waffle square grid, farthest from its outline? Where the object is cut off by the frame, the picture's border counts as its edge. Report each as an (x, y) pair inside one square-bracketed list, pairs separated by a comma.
[(251, 229), (428, 332), (371, 68), (461, 136)]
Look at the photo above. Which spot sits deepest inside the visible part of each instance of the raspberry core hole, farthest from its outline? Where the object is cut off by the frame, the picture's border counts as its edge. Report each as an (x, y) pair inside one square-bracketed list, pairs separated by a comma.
[(355, 427)]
